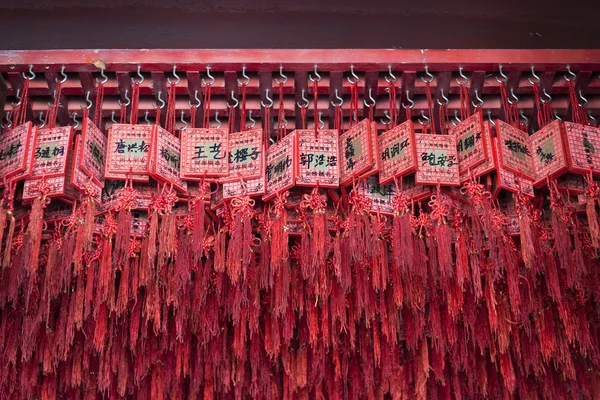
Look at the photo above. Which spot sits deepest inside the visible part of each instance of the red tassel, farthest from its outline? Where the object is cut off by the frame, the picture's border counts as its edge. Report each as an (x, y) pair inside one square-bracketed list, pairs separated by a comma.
[(105, 275), (152, 236), (220, 251), (9, 242), (199, 216), (279, 235), (527, 247), (34, 234)]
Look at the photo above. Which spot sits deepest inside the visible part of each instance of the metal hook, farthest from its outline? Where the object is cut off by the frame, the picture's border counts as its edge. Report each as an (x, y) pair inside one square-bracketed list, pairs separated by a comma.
[(537, 78), (162, 102), (146, 118), (197, 100), (285, 123), (62, 73), (412, 103), (446, 101), (8, 120), (479, 99), (18, 97), (32, 77), (456, 118), (212, 78), (184, 123), (321, 123), (306, 102), (251, 119), (547, 95), (427, 119), (462, 75), (429, 75), (556, 116), (524, 117), (175, 75), (103, 75), (237, 103), (217, 119), (112, 118), (490, 118), (387, 116), (316, 74), (512, 93), (285, 78), (355, 77), (585, 102), (75, 120), (391, 75), (337, 96), (43, 122), (502, 75), (373, 102), (570, 73), (88, 101), (590, 116), (126, 98), (140, 75), (270, 100), (245, 76)]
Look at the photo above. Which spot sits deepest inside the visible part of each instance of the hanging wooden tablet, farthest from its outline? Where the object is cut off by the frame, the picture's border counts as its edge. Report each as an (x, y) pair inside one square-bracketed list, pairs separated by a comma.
[(28, 158), (382, 196), (583, 148), (376, 163), (507, 180), (571, 182), (246, 156), (93, 151), (250, 187), (165, 159), (414, 191), (15, 149), (216, 198), (470, 143), (514, 150), (59, 185), (317, 158), (204, 153), (51, 151), (78, 179), (550, 158), (356, 155), (438, 160), (397, 152), (489, 164), (128, 151), (280, 169)]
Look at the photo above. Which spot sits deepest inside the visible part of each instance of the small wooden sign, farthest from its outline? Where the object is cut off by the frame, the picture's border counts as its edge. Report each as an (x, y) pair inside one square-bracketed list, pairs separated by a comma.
[(512, 182), (128, 150), (246, 155), (93, 151), (250, 187), (376, 164), (356, 154), (397, 152), (317, 160), (489, 164), (583, 148), (514, 150), (204, 153), (470, 143), (51, 152), (550, 158), (281, 168), (438, 160), (15, 149), (78, 179), (26, 173), (165, 159), (382, 196)]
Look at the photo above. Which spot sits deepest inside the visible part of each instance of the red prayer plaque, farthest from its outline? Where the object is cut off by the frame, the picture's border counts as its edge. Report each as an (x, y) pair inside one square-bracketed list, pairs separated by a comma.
[(165, 159), (514, 150), (204, 152), (583, 148), (397, 152), (414, 191), (51, 151), (489, 164), (28, 158), (112, 190), (382, 196), (246, 156), (508, 180), (281, 168), (15, 149), (356, 154), (470, 143), (438, 160), (216, 198), (571, 182), (376, 164), (250, 187), (317, 158), (93, 151), (79, 180), (128, 150), (60, 185), (550, 159)]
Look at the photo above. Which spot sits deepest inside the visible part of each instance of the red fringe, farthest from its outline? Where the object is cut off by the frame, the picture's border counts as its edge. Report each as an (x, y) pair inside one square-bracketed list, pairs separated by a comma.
[(34, 235), (122, 236), (9, 243), (152, 237)]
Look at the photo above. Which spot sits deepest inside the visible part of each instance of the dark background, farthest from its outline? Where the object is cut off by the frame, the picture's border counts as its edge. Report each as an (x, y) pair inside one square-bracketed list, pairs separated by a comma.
[(71, 24)]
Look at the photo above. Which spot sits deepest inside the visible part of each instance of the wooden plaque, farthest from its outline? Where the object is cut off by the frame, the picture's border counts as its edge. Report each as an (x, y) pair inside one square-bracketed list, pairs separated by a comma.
[(397, 152), (165, 159), (246, 155), (317, 158), (250, 187), (51, 152), (514, 150), (15, 149), (550, 158), (281, 168), (470, 143), (204, 152), (26, 173), (382, 196), (356, 154), (376, 164), (79, 180), (438, 160), (128, 150), (489, 164), (512, 182), (93, 151), (583, 148)]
